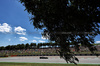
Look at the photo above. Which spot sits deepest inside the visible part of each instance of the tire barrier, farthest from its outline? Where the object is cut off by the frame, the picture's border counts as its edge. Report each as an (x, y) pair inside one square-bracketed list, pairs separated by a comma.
[(4, 56), (13, 55), (58, 55)]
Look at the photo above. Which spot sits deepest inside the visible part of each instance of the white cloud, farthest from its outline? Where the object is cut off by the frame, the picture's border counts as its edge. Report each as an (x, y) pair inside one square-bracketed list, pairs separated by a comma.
[(41, 41), (97, 41), (43, 38), (23, 38), (19, 30), (9, 39), (5, 28), (33, 41), (36, 37)]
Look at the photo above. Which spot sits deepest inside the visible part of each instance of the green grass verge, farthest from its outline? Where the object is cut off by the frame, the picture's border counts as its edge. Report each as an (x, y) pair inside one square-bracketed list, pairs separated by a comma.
[(42, 64)]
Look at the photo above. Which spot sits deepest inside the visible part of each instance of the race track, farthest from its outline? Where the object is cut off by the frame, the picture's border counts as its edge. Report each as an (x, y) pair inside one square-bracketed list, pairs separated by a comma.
[(51, 59)]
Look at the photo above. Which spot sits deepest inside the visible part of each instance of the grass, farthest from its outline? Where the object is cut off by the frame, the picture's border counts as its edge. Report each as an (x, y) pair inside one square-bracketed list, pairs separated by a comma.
[(42, 64)]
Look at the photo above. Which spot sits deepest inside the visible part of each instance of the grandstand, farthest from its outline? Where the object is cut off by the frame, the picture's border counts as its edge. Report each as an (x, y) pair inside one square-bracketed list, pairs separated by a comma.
[(45, 51)]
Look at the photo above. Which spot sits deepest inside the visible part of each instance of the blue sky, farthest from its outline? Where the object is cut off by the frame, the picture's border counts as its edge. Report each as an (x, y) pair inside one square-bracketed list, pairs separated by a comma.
[(15, 27)]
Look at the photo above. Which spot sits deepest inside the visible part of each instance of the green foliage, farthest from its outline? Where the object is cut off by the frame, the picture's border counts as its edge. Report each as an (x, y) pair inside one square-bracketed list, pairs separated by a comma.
[(2, 48), (27, 45), (32, 45), (59, 16)]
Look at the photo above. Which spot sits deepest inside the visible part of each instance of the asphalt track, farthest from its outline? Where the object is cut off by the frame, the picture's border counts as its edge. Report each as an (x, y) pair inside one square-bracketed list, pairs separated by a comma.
[(51, 59)]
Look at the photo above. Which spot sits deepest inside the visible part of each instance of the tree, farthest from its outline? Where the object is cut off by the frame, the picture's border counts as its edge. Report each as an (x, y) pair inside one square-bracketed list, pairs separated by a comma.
[(33, 45), (22, 46), (8, 47), (2, 48), (66, 21), (27, 46), (13, 47), (39, 45), (18, 46)]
